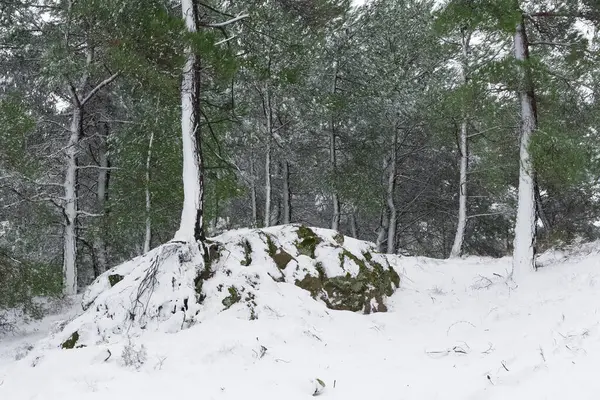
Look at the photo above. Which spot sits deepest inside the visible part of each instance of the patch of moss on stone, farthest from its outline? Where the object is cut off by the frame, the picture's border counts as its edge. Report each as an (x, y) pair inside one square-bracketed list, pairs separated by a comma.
[(234, 297), (279, 256), (247, 253), (339, 238), (114, 279), (353, 293), (282, 258), (271, 247), (308, 241), (71, 341)]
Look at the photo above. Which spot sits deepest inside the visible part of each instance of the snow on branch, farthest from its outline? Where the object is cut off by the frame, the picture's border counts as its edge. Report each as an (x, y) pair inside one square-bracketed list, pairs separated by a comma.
[(229, 22), (95, 90)]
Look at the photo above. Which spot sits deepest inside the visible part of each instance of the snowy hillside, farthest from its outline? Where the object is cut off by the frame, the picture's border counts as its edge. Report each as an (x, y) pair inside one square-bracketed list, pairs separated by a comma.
[(454, 330)]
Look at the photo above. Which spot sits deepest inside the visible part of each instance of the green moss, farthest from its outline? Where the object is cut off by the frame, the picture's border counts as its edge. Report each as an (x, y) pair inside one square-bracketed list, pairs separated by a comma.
[(271, 247), (247, 253), (307, 242), (279, 256), (234, 297), (353, 293), (114, 279), (71, 341)]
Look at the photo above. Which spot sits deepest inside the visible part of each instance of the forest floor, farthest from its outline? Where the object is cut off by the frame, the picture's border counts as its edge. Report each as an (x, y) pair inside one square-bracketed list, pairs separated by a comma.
[(455, 330)]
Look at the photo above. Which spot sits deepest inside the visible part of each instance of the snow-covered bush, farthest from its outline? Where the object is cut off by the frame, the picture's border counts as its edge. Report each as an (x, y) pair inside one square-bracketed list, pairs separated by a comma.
[(134, 356)]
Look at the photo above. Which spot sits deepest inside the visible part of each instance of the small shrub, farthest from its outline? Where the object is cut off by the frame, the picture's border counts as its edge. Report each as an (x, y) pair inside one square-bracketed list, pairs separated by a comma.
[(133, 356)]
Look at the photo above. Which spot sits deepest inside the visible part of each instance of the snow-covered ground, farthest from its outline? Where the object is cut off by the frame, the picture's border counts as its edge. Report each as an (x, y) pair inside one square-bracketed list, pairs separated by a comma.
[(455, 330)]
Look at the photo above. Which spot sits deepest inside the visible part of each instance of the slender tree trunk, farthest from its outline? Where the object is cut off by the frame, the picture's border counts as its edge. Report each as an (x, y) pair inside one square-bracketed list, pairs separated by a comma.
[(253, 193), (335, 221), (391, 240), (70, 207), (457, 247), (383, 231), (102, 196), (148, 235), (269, 117), (524, 243), (287, 195), (539, 205), (192, 223), (353, 225)]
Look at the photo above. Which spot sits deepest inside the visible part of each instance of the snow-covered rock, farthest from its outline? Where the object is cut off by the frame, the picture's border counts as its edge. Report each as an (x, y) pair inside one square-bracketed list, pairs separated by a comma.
[(179, 284)]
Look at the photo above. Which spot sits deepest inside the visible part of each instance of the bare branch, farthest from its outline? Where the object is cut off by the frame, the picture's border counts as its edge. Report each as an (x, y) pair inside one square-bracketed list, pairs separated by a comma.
[(229, 22), (95, 90)]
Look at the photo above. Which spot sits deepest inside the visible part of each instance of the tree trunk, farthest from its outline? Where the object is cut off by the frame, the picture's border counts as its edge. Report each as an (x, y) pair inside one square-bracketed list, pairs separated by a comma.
[(102, 196), (269, 118), (383, 230), (148, 235), (391, 239), (192, 223), (253, 192), (353, 225), (287, 195), (464, 160), (539, 206), (335, 221), (70, 207), (524, 242)]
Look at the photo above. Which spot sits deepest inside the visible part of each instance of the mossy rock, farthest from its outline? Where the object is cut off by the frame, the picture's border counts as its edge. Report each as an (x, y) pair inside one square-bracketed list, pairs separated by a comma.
[(247, 253), (339, 238), (71, 341), (114, 279), (234, 297), (282, 258), (354, 293), (308, 241)]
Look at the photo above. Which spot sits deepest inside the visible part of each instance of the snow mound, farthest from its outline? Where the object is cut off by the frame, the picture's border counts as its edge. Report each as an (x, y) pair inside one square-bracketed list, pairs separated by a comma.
[(179, 284)]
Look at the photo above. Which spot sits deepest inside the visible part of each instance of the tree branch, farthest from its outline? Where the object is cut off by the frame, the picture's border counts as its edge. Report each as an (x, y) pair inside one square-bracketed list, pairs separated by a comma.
[(95, 90)]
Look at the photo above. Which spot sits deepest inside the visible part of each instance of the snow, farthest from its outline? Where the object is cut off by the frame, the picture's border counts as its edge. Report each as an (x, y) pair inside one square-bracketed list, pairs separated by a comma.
[(455, 330)]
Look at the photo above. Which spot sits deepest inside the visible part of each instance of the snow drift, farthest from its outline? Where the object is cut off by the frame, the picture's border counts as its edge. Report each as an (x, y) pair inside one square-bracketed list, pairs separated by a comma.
[(180, 284)]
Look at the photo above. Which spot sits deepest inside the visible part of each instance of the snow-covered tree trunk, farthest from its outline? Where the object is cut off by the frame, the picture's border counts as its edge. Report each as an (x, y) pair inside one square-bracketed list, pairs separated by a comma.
[(268, 115), (335, 221), (101, 196), (391, 239), (524, 243), (464, 159), (253, 192), (70, 203), (287, 201), (191, 227), (148, 234)]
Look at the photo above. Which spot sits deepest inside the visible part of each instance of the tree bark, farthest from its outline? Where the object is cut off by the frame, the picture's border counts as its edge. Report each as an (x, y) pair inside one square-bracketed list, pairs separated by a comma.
[(383, 230), (267, 220), (457, 247), (102, 197), (253, 192), (525, 235), (70, 205), (287, 195), (335, 221), (391, 239), (148, 234), (192, 222), (353, 225)]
